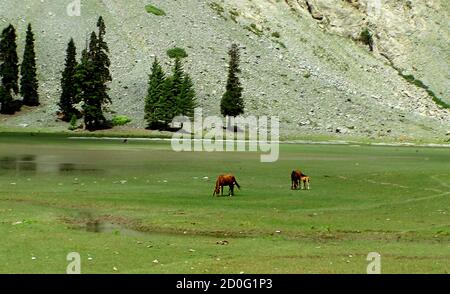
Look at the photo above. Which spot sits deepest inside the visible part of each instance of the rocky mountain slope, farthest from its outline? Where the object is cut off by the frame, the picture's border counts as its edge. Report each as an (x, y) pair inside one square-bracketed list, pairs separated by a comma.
[(301, 59)]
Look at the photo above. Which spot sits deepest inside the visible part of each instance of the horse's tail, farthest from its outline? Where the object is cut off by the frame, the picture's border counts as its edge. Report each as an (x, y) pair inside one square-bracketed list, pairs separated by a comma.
[(237, 185)]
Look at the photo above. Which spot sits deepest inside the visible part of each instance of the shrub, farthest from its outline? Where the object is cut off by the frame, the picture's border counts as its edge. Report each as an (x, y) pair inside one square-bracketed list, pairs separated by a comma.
[(177, 53), (218, 9), (120, 120), (276, 35), (234, 13), (367, 38), (155, 10), (282, 45), (254, 29), (73, 122)]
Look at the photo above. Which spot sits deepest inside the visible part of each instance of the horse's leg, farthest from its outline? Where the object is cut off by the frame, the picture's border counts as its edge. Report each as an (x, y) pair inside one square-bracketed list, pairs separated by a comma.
[(231, 190), (221, 193)]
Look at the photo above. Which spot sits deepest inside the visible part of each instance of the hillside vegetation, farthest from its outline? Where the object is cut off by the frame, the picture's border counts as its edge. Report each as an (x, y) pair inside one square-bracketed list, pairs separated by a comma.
[(301, 60)]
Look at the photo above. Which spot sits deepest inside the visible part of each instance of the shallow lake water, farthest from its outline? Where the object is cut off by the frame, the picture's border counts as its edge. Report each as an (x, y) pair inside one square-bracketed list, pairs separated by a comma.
[(40, 164)]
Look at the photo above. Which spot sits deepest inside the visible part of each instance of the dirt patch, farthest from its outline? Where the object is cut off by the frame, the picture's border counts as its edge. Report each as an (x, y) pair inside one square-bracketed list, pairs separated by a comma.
[(100, 224), (126, 226)]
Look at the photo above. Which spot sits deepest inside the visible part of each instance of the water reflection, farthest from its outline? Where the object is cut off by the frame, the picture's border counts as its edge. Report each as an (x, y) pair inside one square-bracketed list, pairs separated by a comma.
[(22, 163), (33, 164), (67, 167)]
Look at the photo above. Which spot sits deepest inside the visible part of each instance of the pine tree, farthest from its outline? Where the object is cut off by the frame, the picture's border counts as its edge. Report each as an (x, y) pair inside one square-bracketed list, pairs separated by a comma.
[(9, 69), (28, 82), (69, 91), (87, 91), (93, 89), (176, 85), (173, 88), (169, 97), (154, 113), (6, 101), (186, 100), (101, 59), (81, 77), (232, 103), (92, 76)]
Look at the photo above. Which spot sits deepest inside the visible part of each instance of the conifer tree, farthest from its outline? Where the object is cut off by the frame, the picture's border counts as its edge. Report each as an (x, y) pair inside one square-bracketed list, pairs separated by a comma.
[(168, 106), (232, 103), (69, 91), (154, 112), (6, 101), (169, 97), (101, 59), (28, 83), (9, 69), (92, 76), (86, 92), (173, 88), (91, 87), (186, 100)]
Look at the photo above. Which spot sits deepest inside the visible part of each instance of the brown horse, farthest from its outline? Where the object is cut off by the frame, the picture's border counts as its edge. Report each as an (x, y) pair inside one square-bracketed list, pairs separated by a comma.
[(296, 176), (225, 180)]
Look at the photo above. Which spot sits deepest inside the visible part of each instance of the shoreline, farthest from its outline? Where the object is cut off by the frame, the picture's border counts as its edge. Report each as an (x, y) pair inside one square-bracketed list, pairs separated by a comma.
[(294, 142)]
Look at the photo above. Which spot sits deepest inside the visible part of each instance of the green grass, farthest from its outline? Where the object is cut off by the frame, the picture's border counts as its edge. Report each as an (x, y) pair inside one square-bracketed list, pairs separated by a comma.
[(154, 10), (154, 204), (418, 83)]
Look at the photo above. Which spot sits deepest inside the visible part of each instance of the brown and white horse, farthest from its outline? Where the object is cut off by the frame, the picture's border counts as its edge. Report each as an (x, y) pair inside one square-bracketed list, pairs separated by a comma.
[(305, 180)]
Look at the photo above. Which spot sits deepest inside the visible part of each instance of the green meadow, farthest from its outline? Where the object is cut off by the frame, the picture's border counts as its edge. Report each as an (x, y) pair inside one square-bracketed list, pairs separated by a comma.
[(139, 207)]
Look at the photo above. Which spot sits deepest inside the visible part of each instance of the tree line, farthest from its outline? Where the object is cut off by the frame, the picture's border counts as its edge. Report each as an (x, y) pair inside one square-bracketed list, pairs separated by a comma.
[(173, 96), (84, 83), (9, 72)]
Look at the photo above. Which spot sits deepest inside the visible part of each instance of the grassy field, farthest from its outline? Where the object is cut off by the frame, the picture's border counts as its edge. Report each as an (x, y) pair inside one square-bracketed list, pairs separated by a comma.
[(141, 208)]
